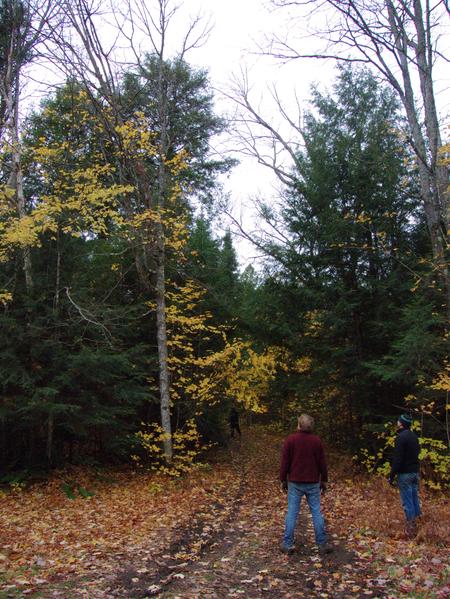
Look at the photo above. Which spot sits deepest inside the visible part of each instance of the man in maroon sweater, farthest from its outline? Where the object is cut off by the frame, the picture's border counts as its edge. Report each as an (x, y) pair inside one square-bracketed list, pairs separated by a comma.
[(304, 472)]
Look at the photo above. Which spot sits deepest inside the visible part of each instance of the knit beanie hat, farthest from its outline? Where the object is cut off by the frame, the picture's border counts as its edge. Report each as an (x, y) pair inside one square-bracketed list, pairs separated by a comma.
[(406, 420)]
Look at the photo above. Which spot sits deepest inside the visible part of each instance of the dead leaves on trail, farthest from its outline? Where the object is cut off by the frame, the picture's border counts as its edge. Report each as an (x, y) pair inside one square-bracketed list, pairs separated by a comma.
[(216, 533), (247, 561), (46, 537), (368, 513)]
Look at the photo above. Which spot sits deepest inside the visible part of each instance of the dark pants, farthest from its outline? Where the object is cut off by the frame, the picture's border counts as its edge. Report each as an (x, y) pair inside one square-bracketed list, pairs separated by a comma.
[(234, 426)]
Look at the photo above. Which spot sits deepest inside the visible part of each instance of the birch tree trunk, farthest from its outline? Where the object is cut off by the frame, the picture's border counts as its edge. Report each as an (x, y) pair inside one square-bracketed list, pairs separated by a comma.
[(162, 193), (15, 180), (23, 23), (426, 137), (163, 355), (96, 64)]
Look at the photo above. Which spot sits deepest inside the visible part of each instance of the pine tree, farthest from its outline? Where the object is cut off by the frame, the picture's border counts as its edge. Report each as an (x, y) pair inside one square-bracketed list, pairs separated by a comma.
[(351, 220)]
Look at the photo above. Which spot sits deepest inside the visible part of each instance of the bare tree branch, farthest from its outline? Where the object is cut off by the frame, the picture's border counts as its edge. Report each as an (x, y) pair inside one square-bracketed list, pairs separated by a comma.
[(398, 38), (88, 317), (259, 138)]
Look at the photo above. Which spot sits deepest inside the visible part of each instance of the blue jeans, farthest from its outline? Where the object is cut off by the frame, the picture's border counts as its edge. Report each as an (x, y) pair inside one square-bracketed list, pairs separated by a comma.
[(295, 494), (408, 484)]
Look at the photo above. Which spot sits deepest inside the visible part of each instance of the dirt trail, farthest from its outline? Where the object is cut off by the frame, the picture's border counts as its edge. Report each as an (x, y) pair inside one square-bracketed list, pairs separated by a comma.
[(233, 550), (216, 533)]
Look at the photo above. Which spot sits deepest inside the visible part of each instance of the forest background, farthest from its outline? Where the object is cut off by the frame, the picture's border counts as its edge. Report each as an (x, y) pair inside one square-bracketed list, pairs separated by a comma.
[(128, 329)]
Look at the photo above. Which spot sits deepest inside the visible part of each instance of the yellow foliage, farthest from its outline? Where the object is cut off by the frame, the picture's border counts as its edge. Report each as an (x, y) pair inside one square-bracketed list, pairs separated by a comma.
[(186, 444), (441, 382), (6, 198), (238, 372), (79, 201), (303, 364), (434, 457), (313, 323), (17, 232), (200, 374), (5, 297), (81, 198), (138, 141), (17, 487)]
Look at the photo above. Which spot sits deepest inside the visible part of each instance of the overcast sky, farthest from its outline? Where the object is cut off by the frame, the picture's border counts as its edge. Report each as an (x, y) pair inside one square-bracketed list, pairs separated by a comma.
[(239, 29)]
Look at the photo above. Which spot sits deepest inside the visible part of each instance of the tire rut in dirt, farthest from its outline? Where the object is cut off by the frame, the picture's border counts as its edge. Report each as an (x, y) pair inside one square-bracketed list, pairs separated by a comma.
[(190, 545)]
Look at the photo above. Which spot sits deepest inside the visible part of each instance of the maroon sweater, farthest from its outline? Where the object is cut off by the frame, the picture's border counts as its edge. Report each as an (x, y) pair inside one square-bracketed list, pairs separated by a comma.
[(303, 459)]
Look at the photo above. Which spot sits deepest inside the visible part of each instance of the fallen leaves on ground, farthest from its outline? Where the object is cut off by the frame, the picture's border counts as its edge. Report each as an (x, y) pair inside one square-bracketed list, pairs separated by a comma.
[(367, 512), (216, 533)]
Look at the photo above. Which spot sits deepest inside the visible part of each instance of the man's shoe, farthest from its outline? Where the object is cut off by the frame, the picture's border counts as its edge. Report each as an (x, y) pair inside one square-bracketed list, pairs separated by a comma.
[(288, 550), (325, 549)]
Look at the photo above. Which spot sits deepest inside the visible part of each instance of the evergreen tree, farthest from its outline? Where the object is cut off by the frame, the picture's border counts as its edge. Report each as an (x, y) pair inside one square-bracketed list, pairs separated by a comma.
[(345, 274), (190, 120), (79, 382)]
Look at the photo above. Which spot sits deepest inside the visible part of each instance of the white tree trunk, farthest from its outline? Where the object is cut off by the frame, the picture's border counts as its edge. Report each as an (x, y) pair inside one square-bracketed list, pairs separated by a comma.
[(163, 357), (15, 180)]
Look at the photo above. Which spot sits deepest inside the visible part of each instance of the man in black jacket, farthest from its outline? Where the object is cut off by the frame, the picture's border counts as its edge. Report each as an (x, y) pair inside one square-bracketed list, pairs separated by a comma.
[(405, 465)]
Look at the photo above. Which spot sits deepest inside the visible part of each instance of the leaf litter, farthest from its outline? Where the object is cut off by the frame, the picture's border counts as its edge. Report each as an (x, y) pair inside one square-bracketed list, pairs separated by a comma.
[(216, 533)]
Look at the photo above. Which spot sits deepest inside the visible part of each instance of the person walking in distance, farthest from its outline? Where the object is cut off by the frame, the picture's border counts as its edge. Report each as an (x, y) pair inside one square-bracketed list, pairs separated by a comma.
[(405, 465), (234, 422), (303, 473)]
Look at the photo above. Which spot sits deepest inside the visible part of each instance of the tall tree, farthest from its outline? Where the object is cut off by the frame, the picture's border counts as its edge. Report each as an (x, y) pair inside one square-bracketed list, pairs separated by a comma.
[(177, 103), (401, 40), (22, 26), (152, 174), (345, 267)]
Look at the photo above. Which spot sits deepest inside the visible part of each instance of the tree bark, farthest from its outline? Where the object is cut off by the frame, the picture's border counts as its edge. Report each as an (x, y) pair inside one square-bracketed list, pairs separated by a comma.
[(163, 355), (58, 274), (162, 193), (99, 67), (15, 180)]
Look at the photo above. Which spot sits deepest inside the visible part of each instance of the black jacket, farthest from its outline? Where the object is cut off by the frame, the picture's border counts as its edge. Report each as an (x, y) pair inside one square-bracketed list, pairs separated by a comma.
[(406, 453)]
